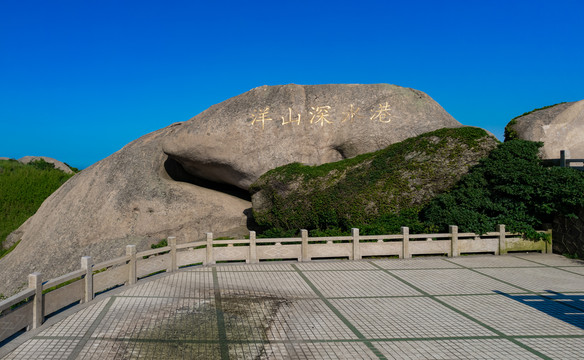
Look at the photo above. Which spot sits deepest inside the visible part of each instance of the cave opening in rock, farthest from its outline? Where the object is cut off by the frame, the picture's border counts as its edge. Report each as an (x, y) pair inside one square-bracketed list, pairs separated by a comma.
[(177, 172)]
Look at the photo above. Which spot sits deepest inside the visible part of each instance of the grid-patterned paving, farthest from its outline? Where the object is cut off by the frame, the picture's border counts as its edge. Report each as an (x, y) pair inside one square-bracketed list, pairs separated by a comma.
[(453, 281), (484, 307), (487, 349), (538, 279), (415, 317), (358, 284), (492, 261), (513, 317)]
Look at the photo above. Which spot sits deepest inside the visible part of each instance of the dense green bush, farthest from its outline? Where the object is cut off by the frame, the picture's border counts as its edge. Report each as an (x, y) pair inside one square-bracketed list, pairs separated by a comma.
[(377, 192), (23, 188), (509, 187)]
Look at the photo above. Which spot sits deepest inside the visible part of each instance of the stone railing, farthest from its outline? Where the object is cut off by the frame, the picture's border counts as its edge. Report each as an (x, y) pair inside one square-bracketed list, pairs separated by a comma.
[(577, 164), (28, 309)]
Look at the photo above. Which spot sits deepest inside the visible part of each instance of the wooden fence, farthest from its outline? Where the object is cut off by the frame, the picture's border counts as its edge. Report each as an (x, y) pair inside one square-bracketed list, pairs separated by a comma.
[(28, 309)]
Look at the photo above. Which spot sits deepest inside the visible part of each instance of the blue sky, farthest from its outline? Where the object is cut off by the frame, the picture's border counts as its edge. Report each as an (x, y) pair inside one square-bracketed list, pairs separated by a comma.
[(80, 79)]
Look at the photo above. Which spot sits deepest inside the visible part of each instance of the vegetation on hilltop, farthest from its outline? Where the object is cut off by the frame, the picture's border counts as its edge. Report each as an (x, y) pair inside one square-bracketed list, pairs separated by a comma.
[(377, 192), (23, 188), (509, 187), (382, 191)]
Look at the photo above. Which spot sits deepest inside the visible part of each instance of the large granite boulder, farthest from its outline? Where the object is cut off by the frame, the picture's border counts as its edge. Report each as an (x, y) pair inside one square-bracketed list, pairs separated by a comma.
[(559, 127), (135, 196), (239, 139), (191, 177)]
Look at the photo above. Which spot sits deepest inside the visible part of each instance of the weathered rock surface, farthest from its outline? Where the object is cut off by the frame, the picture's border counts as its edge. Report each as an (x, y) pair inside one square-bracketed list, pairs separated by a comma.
[(142, 193), (128, 198), (58, 164), (363, 189), (560, 127), (239, 139)]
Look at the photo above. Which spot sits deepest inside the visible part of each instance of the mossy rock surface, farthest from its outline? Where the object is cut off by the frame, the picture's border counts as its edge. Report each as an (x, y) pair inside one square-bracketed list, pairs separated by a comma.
[(360, 191)]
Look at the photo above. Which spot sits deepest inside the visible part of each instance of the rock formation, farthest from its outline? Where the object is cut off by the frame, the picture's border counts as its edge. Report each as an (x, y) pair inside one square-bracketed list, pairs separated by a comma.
[(187, 179), (58, 164), (369, 187), (559, 127), (240, 139)]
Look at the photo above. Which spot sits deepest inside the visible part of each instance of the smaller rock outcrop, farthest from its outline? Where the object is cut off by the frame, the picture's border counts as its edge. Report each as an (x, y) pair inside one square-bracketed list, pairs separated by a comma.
[(361, 190), (58, 164), (559, 127)]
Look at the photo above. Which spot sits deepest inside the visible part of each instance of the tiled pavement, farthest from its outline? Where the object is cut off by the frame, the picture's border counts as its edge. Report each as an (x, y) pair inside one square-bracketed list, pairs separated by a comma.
[(522, 306)]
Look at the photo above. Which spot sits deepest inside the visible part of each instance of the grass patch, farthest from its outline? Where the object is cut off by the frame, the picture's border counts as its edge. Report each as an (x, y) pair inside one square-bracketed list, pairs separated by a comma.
[(23, 188)]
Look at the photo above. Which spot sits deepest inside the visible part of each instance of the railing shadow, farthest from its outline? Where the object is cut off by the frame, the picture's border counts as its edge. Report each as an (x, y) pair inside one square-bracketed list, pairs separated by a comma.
[(568, 308)]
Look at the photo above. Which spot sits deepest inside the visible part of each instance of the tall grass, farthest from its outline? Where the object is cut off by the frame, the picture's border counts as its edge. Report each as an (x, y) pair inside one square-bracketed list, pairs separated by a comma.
[(23, 188)]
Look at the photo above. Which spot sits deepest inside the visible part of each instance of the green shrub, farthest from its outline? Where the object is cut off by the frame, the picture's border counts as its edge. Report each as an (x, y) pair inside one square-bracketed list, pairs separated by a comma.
[(377, 192), (509, 187), (162, 243)]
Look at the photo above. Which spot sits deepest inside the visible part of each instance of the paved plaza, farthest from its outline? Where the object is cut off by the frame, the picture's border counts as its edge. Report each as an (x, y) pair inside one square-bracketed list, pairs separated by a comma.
[(520, 306)]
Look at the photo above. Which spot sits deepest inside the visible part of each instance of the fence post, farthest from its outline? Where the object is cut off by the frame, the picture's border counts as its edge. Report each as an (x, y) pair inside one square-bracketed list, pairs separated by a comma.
[(210, 259), (173, 260), (454, 241), (406, 243), (87, 265), (356, 245), (35, 282), (253, 255), (132, 273), (502, 242), (304, 246), (549, 244), (562, 158)]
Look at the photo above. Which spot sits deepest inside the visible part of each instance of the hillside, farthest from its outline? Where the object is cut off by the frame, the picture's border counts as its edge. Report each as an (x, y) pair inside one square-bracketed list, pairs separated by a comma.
[(377, 192), (23, 188)]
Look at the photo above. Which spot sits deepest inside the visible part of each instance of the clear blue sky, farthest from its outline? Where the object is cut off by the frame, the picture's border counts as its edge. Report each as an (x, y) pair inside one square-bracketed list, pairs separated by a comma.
[(80, 79)]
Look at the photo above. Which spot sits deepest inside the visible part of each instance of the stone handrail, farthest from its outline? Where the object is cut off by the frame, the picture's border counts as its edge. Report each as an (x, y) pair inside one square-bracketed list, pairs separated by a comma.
[(28, 309), (564, 162)]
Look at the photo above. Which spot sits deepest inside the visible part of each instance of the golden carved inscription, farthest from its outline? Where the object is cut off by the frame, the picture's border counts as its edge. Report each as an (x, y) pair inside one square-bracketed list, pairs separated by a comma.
[(324, 115), (290, 119), (260, 115), (351, 114), (382, 113), (320, 115)]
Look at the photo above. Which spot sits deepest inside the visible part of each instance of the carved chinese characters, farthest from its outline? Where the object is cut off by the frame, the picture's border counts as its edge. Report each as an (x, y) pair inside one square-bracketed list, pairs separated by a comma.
[(322, 115), (260, 115)]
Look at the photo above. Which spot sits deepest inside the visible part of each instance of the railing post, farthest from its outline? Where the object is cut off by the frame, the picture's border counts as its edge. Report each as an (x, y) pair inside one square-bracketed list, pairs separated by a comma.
[(356, 247), (210, 259), (87, 265), (253, 255), (562, 158), (502, 242), (304, 246), (549, 244), (173, 260), (454, 241), (35, 282), (406, 242), (132, 273)]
